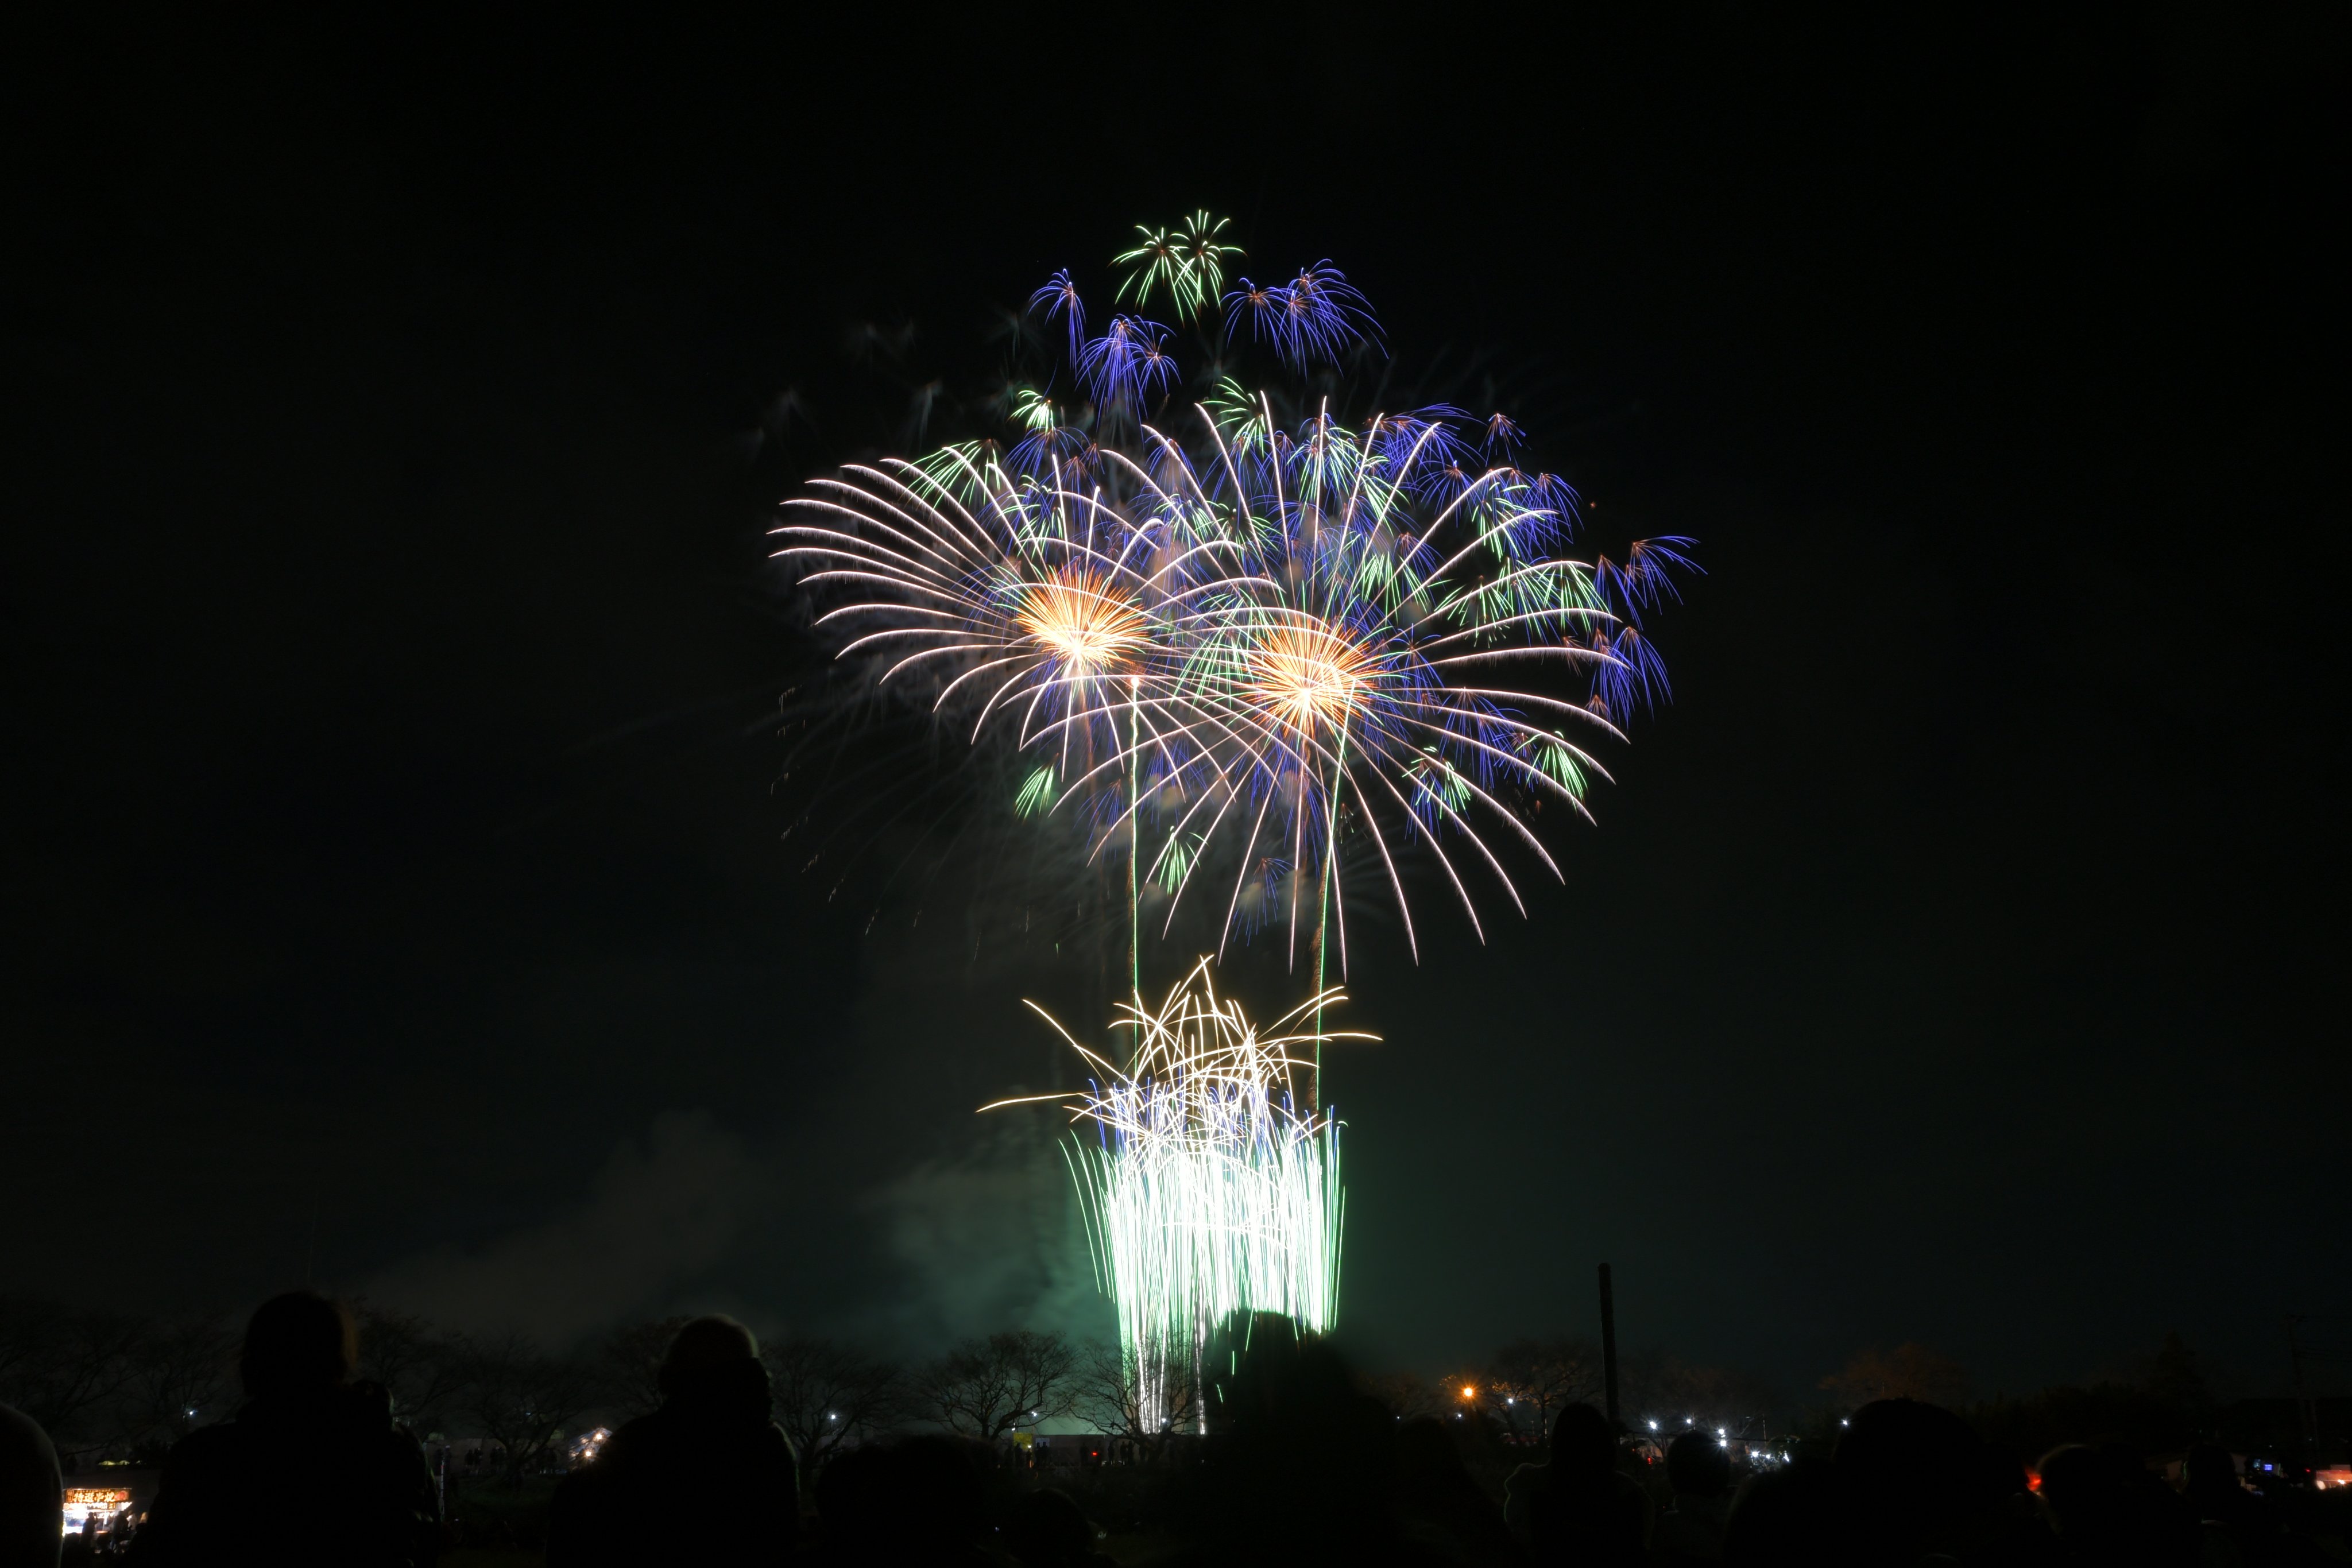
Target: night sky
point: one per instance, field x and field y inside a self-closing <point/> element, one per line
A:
<point x="396" y="888"/>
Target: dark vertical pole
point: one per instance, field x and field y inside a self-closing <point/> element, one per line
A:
<point x="2305" y="1406"/>
<point x="1609" y="1344"/>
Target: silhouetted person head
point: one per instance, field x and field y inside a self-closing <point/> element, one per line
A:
<point x="707" y="1344"/>
<point x="1787" y="1519"/>
<point x="713" y="1368"/>
<point x="712" y="1437"/>
<point x="2212" y="1478"/>
<point x="1300" y="1457"/>
<point x="1582" y="1440"/>
<point x="297" y="1345"/>
<point x="1698" y="1466"/>
<point x="29" y="1483"/>
<point x="1576" y="1507"/>
<point x="1047" y="1528"/>
<point x="1916" y="1475"/>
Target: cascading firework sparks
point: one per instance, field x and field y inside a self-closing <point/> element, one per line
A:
<point x="1207" y="1188"/>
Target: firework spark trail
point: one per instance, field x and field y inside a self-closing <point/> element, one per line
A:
<point x="1207" y="1190"/>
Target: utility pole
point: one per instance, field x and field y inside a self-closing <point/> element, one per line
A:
<point x="2305" y="1406"/>
<point x="1608" y="1346"/>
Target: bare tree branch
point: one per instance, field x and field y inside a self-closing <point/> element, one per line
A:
<point x="827" y="1396"/>
<point x="419" y="1365"/>
<point x="523" y="1399"/>
<point x="987" y="1387"/>
<point x="633" y="1358"/>
<point x="1108" y="1390"/>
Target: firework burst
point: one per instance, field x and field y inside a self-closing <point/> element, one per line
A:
<point x="1232" y="638"/>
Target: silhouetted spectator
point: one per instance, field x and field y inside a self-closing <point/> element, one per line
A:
<point x="647" y="1497"/>
<point x="32" y="1493"/>
<point x="2111" y="1512"/>
<point x="1439" y="1503"/>
<point x="309" y="1470"/>
<point x="1698" y="1469"/>
<point x="1299" y="1466"/>
<point x="1918" y="1481"/>
<point x="2245" y="1523"/>
<point x="1578" y="1509"/>
<point x="1788" y="1518"/>
<point x="1047" y="1529"/>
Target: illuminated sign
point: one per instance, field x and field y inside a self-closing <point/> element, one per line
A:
<point x="96" y="1497"/>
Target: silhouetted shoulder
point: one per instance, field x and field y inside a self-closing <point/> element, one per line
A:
<point x="207" y="1449"/>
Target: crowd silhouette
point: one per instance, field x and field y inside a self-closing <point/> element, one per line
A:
<point x="1300" y="1465"/>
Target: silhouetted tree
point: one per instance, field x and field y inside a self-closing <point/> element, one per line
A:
<point x="828" y="1395"/>
<point x="1409" y="1395"/>
<point x="2161" y="1403"/>
<point x="2174" y="1376"/>
<point x="523" y="1399"/>
<point x="1910" y="1371"/>
<point x="180" y="1376"/>
<point x="1656" y="1386"/>
<point x="1530" y="1380"/>
<point x="987" y="1387"/>
<point x="61" y="1364"/>
<point x="1106" y="1388"/>
<point x="632" y="1360"/>
<point x="419" y="1365"/>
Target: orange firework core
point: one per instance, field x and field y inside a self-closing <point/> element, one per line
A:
<point x="1308" y="673"/>
<point x="1081" y="618"/>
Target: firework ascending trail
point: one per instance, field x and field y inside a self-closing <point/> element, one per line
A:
<point x="1226" y="638"/>
<point x="1208" y="1188"/>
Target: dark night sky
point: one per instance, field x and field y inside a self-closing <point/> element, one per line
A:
<point x="394" y="887"/>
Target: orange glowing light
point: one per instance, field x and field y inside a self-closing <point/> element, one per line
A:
<point x="1469" y="1391"/>
<point x="1309" y="672"/>
<point x="1083" y="620"/>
